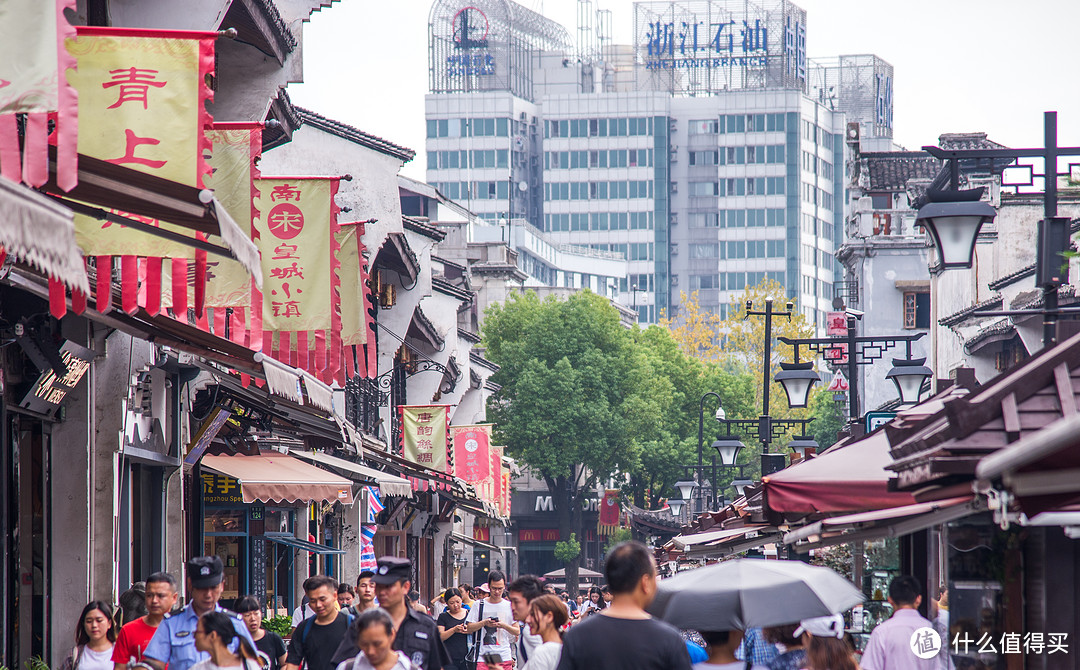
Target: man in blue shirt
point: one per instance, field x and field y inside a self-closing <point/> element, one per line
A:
<point x="174" y="641"/>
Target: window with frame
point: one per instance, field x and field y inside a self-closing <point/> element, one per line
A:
<point x="916" y="309"/>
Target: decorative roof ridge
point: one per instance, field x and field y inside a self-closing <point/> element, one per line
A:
<point x="972" y="310"/>
<point x="355" y="135"/>
<point x="422" y="228"/>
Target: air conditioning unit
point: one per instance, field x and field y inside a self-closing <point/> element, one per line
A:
<point x="674" y="219"/>
<point x="674" y="250"/>
<point x="674" y="187"/>
<point x="674" y="278"/>
<point x="672" y="125"/>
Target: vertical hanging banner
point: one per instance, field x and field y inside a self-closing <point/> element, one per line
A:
<point x="506" y="493"/>
<point x="296" y="229"/>
<point x="608" y="521"/>
<point x="497" y="477"/>
<point x="423" y="431"/>
<point x="142" y="98"/>
<point x="472" y="462"/>
<point x="34" y="66"/>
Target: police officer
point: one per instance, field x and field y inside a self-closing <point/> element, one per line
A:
<point x="174" y="641"/>
<point x="417" y="634"/>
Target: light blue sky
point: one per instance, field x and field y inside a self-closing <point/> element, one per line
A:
<point x="960" y="65"/>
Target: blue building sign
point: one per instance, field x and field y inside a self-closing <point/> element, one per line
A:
<point x="700" y="44"/>
<point x="470" y="36"/>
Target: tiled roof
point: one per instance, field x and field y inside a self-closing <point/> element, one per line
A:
<point x="422" y="228"/>
<point x="355" y="135"/>
<point x="891" y="171"/>
<point x="1011" y="279"/>
<point x="957" y="317"/>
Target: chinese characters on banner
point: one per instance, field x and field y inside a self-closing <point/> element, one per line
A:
<point x="142" y="101"/>
<point x="423" y="431"/>
<point x="297" y="228"/>
<point x="608" y="521"/>
<point x="356" y="321"/>
<point x="471" y="452"/>
<point x="497" y="477"/>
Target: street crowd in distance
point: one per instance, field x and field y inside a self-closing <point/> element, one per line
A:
<point x="521" y="625"/>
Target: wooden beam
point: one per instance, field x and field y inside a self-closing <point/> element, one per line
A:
<point x="1064" y="389"/>
<point x="1011" y="417"/>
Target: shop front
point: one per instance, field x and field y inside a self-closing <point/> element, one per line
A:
<point x="256" y="514"/>
<point x="537" y="527"/>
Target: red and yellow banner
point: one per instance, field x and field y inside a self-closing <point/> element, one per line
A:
<point x="506" y="493"/>
<point x="472" y="460"/>
<point x="497" y="478"/>
<point x="232" y="178"/>
<point x="423" y="432"/>
<point x="33" y="80"/>
<point x="608" y="521"/>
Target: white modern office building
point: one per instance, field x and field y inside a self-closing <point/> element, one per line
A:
<point x="709" y="154"/>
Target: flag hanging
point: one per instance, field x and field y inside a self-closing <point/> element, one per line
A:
<point x="34" y="80"/>
<point x="142" y="98"/>
<point x="608" y="521"/>
<point x="375" y="505"/>
<point x="471" y="452"/>
<point x="497" y="478"/>
<point x="423" y="433"/>
<point x="367" y="548"/>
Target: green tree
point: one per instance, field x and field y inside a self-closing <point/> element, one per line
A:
<point x="571" y="406"/>
<point x="828" y="417"/>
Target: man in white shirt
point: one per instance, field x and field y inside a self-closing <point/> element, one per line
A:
<point x="890" y="645"/>
<point x="495" y="616"/>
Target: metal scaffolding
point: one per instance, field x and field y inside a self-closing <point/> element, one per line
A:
<point x="861" y="86"/>
<point x="490" y="45"/>
<point x="703" y="47"/>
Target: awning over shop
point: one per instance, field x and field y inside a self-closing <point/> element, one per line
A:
<point x="876" y="524"/>
<point x="723" y="542"/>
<point x="389" y="485"/>
<point x="297" y="543"/>
<point x="1042" y="469"/>
<point x="846" y="479"/>
<point x="280" y="478"/>
<point x="40" y="232"/>
<point x="473" y="542"/>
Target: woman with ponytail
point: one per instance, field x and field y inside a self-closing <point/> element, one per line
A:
<point x="547" y="617"/>
<point x="213" y="634"/>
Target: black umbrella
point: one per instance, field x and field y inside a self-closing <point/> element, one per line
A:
<point x="746" y="593"/>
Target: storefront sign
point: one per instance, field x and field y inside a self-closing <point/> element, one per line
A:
<point x="482" y="533"/>
<point x="218" y="489"/>
<point x="836" y="324"/>
<point x="49" y="390"/>
<point x="546" y="504"/>
<point x="538" y="535"/>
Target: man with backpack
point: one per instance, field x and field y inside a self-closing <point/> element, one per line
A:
<point x="315" y="639"/>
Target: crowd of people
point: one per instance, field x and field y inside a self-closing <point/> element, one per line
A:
<point x="380" y="624"/>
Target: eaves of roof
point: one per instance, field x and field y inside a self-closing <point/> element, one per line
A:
<point x="482" y="362"/>
<point x="355" y="135"/>
<point x="422" y="228"/>
<point x="973" y="310"/>
<point x="454" y="291"/>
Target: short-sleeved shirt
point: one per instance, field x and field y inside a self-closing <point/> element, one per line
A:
<point x="418" y="638"/>
<point x="605" y="643"/>
<point x="457" y="645"/>
<point x="174" y="640"/>
<point x="273" y="646"/>
<point x="493" y="640"/>
<point x="132" y="641"/>
<point x="315" y="644"/>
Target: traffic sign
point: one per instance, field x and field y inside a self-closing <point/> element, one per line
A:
<point x="875" y="420"/>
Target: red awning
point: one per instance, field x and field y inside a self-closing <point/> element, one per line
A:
<point x="851" y="478"/>
<point x="274" y="478"/>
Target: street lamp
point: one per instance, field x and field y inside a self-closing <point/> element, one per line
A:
<point x="676" y="506"/>
<point x="908" y="375"/>
<point x="686" y="489"/>
<point x="741" y="484"/>
<point x="728" y="446"/>
<point x="953" y="218"/>
<point x="797" y="379"/>
<point x="802" y="445"/>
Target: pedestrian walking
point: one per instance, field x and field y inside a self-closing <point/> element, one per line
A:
<point x="174" y="640"/>
<point x="521" y="593"/>
<point x="792" y="654"/>
<point x="95" y="633"/>
<point x="375" y="634"/>
<point x="826" y="648"/>
<point x="889" y="647"/>
<point x="547" y="616"/>
<point x="365" y="593"/>
<point x="452" y="630"/>
<point x="346" y="596"/>
<point x="315" y="639"/>
<point x="414" y="633"/>
<point x="721" y="646"/>
<point x="755" y="648"/>
<point x="214" y="635"/>
<point x="132" y="603"/>
<point x="625" y="636"/>
<point x="495" y="618"/>
<point x="159" y="593"/>
<point x="267" y="643"/>
<point x="466" y="595"/>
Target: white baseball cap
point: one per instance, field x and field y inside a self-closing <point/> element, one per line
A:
<point x="822" y="626"/>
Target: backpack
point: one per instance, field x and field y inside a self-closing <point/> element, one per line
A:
<point x="307" y="629"/>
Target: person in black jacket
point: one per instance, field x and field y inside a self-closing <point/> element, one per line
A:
<point x="417" y="635"/>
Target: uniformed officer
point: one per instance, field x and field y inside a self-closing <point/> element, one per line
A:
<point x="417" y="634"/>
<point x="174" y="641"/>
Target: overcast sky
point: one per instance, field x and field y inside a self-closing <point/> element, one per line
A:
<point x="960" y="65"/>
